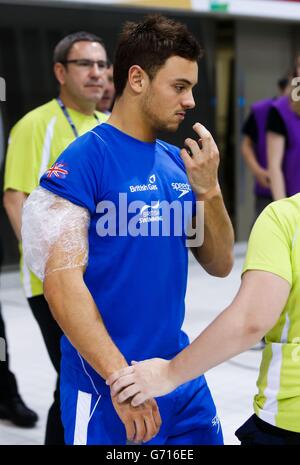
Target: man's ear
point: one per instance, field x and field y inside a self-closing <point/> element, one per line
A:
<point x="137" y="79"/>
<point x="60" y="72"/>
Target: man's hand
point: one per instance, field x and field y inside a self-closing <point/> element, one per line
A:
<point x="202" y="165"/>
<point x="13" y="203"/>
<point x="142" y="381"/>
<point x="142" y="423"/>
<point x="263" y="178"/>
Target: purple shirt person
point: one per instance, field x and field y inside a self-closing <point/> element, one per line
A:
<point x="254" y="148"/>
<point x="283" y="142"/>
<point x="284" y="148"/>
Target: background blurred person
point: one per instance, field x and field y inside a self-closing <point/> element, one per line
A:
<point x="106" y="102"/>
<point x="80" y="64"/>
<point x="283" y="143"/>
<point x="254" y="148"/>
<point x="12" y="406"/>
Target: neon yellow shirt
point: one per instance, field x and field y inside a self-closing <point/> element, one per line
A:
<point x="274" y="246"/>
<point x="35" y="142"/>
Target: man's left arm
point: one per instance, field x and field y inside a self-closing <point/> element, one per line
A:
<point x="215" y="254"/>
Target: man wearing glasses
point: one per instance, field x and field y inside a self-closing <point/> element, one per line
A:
<point x="80" y="65"/>
<point x="105" y="104"/>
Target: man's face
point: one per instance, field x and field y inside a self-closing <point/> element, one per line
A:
<point x="169" y="94"/>
<point x="106" y="101"/>
<point x="83" y="79"/>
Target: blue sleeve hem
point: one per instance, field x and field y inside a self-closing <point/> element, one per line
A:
<point x="64" y="195"/>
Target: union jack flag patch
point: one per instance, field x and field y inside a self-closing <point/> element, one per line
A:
<point x="58" y="170"/>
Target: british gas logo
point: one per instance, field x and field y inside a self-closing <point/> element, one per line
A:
<point x="151" y="186"/>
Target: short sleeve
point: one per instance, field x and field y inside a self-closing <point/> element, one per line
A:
<point x="250" y="128"/>
<point x="77" y="173"/>
<point x="275" y="123"/>
<point x="269" y="247"/>
<point x="23" y="157"/>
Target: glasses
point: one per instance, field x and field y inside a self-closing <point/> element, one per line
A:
<point x="84" y="63"/>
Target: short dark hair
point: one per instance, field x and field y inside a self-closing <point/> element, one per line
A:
<point x="282" y="83"/>
<point x="62" y="49"/>
<point x="149" y="44"/>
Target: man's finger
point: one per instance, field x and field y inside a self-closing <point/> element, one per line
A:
<point x="113" y="377"/>
<point x="128" y="392"/>
<point x="140" y="428"/>
<point x="193" y="146"/>
<point x="201" y="131"/>
<point x="156" y="414"/>
<point x="187" y="160"/>
<point x="138" y="399"/>
<point x="207" y="140"/>
<point x="121" y="383"/>
<point x="151" y="429"/>
<point x="130" y="429"/>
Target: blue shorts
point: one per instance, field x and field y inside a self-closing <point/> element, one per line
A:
<point x="188" y="417"/>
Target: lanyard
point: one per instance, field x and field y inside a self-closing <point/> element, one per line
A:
<point x="68" y="117"/>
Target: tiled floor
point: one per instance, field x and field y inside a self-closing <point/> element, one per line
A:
<point x="232" y="383"/>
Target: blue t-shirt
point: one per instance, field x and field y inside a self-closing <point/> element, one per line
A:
<point x="137" y="279"/>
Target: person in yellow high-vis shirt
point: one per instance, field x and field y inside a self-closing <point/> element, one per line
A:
<point x="35" y="142"/>
<point x="267" y="304"/>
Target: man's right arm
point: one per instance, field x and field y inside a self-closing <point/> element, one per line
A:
<point x="248" y="153"/>
<point x="275" y="153"/>
<point x="55" y="246"/>
<point x="13" y="203"/>
<point x="21" y="169"/>
<point x="75" y="311"/>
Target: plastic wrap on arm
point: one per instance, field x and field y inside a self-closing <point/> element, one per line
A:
<point x="54" y="233"/>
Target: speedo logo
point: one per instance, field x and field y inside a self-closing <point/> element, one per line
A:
<point x="151" y="186"/>
<point x="181" y="187"/>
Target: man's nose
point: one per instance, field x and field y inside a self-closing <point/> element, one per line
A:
<point x="189" y="101"/>
<point x="95" y="71"/>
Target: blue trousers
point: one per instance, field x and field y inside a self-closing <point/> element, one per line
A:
<point x="188" y="417"/>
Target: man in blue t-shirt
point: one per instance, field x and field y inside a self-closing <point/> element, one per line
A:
<point x="139" y="195"/>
